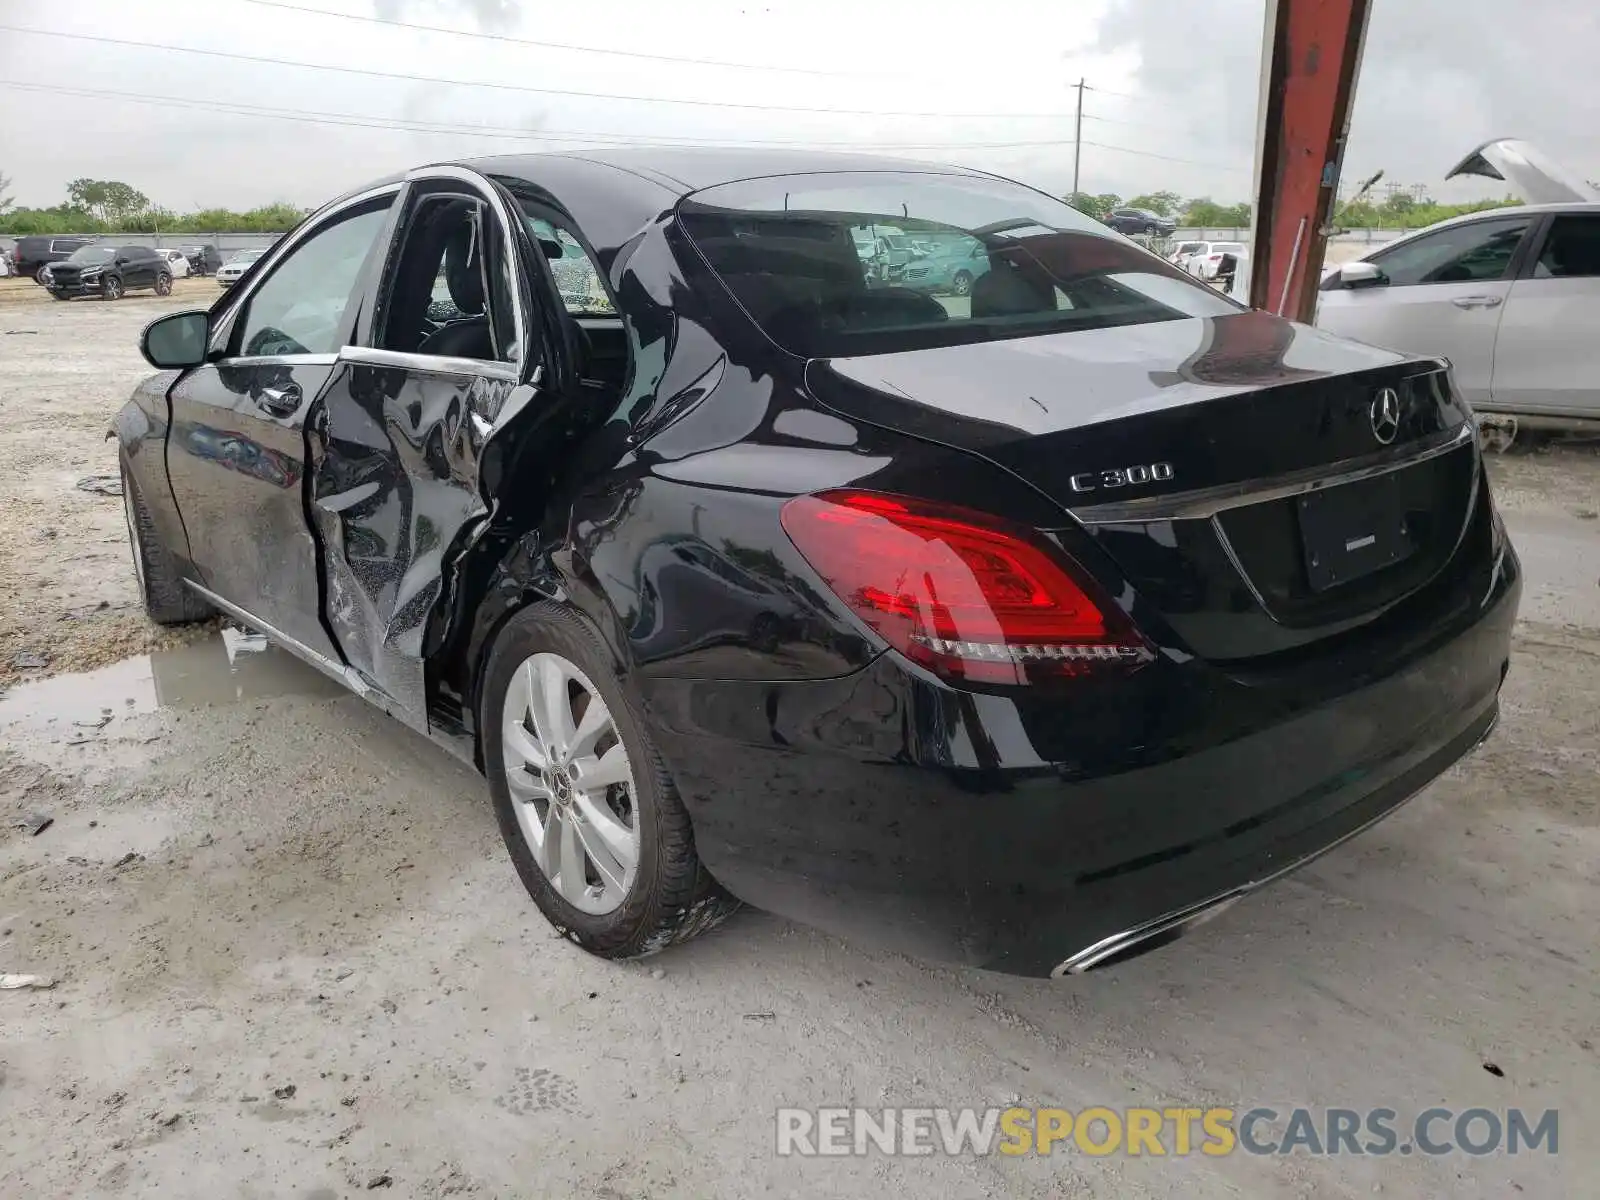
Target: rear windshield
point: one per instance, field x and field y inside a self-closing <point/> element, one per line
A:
<point x="791" y="250"/>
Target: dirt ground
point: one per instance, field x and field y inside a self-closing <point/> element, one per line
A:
<point x="292" y="959"/>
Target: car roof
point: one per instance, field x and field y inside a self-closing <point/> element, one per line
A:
<point x="614" y="192"/>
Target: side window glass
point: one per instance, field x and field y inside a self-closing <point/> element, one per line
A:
<point x="1571" y="251"/>
<point x="576" y="276"/>
<point x="439" y="301"/>
<point x="1474" y="253"/>
<point x="300" y="307"/>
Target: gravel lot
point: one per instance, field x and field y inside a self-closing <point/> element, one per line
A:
<point x="293" y="960"/>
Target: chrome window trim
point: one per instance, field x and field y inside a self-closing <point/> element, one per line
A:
<point x="223" y="323"/>
<point x="433" y="364"/>
<point x="278" y="360"/>
<point x="1204" y="503"/>
<point x="490" y="195"/>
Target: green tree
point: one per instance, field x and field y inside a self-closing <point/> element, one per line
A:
<point x="6" y="203"/>
<point x="1204" y="212"/>
<point x="1163" y="204"/>
<point x="1095" y="206"/>
<point x="108" y="199"/>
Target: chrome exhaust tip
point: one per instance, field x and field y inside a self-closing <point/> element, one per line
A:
<point x="1131" y="943"/>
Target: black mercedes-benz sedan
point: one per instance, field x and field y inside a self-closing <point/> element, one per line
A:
<point x="1024" y="629"/>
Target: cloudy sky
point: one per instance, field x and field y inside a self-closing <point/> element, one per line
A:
<point x="1172" y="100"/>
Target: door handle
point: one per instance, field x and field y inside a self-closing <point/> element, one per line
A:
<point x="280" y="401"/>
<point x="1476" y="301"/>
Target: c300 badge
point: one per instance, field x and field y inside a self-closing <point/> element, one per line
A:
<point x="1120" y="477"/>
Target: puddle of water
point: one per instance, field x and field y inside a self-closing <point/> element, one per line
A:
<point x="219" y="670"/>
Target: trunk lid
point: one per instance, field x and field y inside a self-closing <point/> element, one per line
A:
<point x="1191" y="452"/>
<point x="1534" y="176"/>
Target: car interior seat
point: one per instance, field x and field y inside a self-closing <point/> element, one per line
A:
<point x="469" y="337"/>
<point x="1006" y="289"/>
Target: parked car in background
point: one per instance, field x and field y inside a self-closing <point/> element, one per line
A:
<point x="33" y="253"/>
<point x="110" y="272"/>
<point x="892" y="252"/>
<point x="5" y="263"/>
<point x="1510" y="296"/>
<point x="203" y="260"/>
<point x="1140" y="221"/>
<point x="1181" y="252"/>
<point x="949" y="267"/>
<point x="177" y="262"/>
<point x="1206" y="261"/>
<point x="228" y="273"/>
<point x="1027" y="633"/>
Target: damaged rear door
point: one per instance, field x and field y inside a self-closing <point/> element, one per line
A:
<point x="440" y="365"/>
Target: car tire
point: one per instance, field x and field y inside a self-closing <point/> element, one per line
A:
<point x="163" y="284"/>
<point x="669" y="897"/>
<point x="962" y="283"/>
<point x="38" y="275"/>
<point x="111" y="288"/>
<point x="59" y="295"/>
<point x="166" y="600"/>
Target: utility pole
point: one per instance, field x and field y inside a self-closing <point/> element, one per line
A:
<point x="1077" y="140"/>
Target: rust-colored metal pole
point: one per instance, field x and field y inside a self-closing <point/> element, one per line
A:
<point x="1310" y="58"/>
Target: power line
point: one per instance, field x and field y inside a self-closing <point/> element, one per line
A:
<point x="1196" y="162"/>
<point x="405" y="77"/>
<point x="501" y="132"/>
<point x="393" y="125"/>
<point x="541" y="43"/>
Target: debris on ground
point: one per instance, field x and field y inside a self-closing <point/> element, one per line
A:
<point x="761" y="1016"/>
<point x="286" y="1092"/>
<point x="27" y="660"/>
<point x="127" y="860"/>
<point x="1494" y="1069"/>
<point x="34" y="823"/>
<point x="11" y="983"/>
<point x="380" y="1181"/>
<point x="101" y="485"/>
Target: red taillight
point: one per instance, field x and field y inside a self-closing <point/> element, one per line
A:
<point x="958" y="592"/>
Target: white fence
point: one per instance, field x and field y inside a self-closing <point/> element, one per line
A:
<point x="1361" y="237"/>
<point x="226" y="243"/>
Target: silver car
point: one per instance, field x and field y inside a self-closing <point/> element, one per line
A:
<point x="228" y="273"/>
<point x="1510" y="296"/>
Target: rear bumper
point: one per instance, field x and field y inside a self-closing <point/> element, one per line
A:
<point x="1026" y="835"/>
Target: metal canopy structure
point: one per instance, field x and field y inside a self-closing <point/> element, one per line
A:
<point x="1310" y="59"/>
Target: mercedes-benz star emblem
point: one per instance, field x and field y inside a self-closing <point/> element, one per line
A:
<point x="1385" y="414"/>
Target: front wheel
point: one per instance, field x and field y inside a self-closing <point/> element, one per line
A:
<point x="962" y="283"/>
<point x="163" y="285"/>
<point x="588" y="812"/>
<point x="111" y="288"/>
<point x="166" y="600"/>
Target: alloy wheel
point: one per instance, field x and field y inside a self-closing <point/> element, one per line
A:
<point x="112" y="288"/>
<point x="571" y="783"/>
